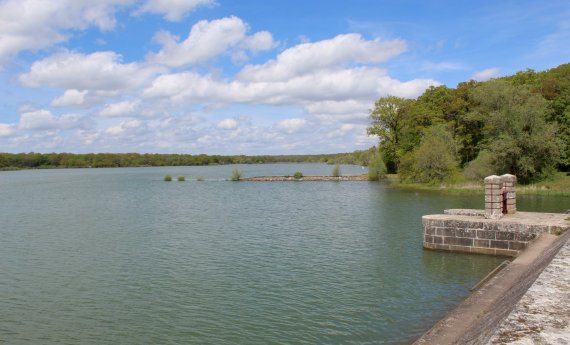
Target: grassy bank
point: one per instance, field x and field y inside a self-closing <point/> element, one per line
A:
<point x="558" y="185"/>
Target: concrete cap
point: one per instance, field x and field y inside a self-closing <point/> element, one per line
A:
<point x="493" y="179"/>
<point x="509" y="177"/>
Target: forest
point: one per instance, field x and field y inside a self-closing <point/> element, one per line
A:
<point x="31" y="160"/>
<point x="518" y="124"/>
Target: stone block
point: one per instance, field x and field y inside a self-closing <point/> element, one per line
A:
<point x="448" y="232"/>
<point x="428" y="238"/>
<point x="458" y="241"/>
<point x="486" y="251"/>
<point x="500" y="244"/>
<point x="505" y="236"/>
<point x="438" y="239"/>
<point x="506" y="252"/>
<point x="486" y="234"/>
<point x="429" y="230"/>
<point x="482" y="243"/>
<point x="462" y="232"/>
<point x="516" y="245"/>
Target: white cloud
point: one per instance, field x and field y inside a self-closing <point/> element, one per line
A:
<point x="486" y="74"/>
<point x="38" y="24"/>
<point x="308" y="58"/>
<point x="208" y="39"/>
<point x="45" y="120"/>
<point x="100" y="71"/>
<point x="6" y="130"/>
<point x="260" y="41"/>
<point x="121" y="109"/>
<point x="228" y="124"/>
<point x="69" y="98"/>
<point x="173" y="10"/>
<point x="358" y="83"/>
<point x="292" y="125"/>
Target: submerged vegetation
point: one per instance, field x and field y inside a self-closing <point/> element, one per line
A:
<point x="518" y="124"/>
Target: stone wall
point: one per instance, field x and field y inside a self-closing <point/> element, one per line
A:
<point x="477" y="235"/>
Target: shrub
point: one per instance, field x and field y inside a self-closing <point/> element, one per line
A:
<point x="181" y="178"/>
<point x="236" y="175"/>
<point x="480" y="167"/>
<point x="298" y="175"/>
<point x="167" y="178"/>
<point x="336" y="171"/>
<point x="433" y="161"/>
<point x="376" y="168"/>
<point x="200" y="178"/>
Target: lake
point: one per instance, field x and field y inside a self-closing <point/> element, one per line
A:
<point x="118" y="256"/>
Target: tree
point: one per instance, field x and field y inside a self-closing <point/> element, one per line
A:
<point x="516" y="131"/>
<point x="388" y="120"/>
<point x="434" y="160"/>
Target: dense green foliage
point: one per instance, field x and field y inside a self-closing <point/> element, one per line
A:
<point x="181" y="178"/>
<point x="111" y="160"/>
<point x="298" y="175"/>
<point x="518" y="124"/>
<point x="376" y="168"/>
<point x="167" y="178"/>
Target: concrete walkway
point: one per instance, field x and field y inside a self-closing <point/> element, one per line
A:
<point x="542" y="316"/>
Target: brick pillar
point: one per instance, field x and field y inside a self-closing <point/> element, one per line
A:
<point x="493" y="197"/>
<point x="509" y="183"/>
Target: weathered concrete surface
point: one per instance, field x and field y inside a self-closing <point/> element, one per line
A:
<point x="476" y="319"/>
<point x="542" y="316"/>
<point x="467" y="231"/>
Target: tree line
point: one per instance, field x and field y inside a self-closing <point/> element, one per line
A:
<point x="518" y="124"/>
<point x="34" y="160"/>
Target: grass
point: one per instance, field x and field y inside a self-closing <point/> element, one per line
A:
<point x="236" y="175"/>
<point x="298" y="175"/>
<point x="200" y="178"/>
<point x="558" y="185"/>
<point x="181" y="178"/>
<point x="167" y="178"/>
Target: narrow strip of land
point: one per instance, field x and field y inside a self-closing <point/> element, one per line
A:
<point x="306" y="178"/>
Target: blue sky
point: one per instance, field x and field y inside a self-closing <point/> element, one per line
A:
<point x="246" y="77"/>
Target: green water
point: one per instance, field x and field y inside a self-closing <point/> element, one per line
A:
<point x="117" y="256"/>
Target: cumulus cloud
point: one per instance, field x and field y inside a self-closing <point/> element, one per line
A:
<point x="38" y="24"/>
<point x="310" y="57"/>
<point x="486" y="74"/>
<point x="208" y="39"/>
<point x="121" y="109"/>
<point x="228" y="124"/>
<point x="45" y="120"/>
<point x="70" y="98"/>
<point x="292" y="125"/>
<point x="360" y="83"/>
<point x="173" y="10"/>
<point x="97" y="71"/>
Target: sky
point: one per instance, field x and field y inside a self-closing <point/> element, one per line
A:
<point x="246" y="77"/>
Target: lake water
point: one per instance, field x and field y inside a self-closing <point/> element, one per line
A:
<point x="118" y="256"/>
